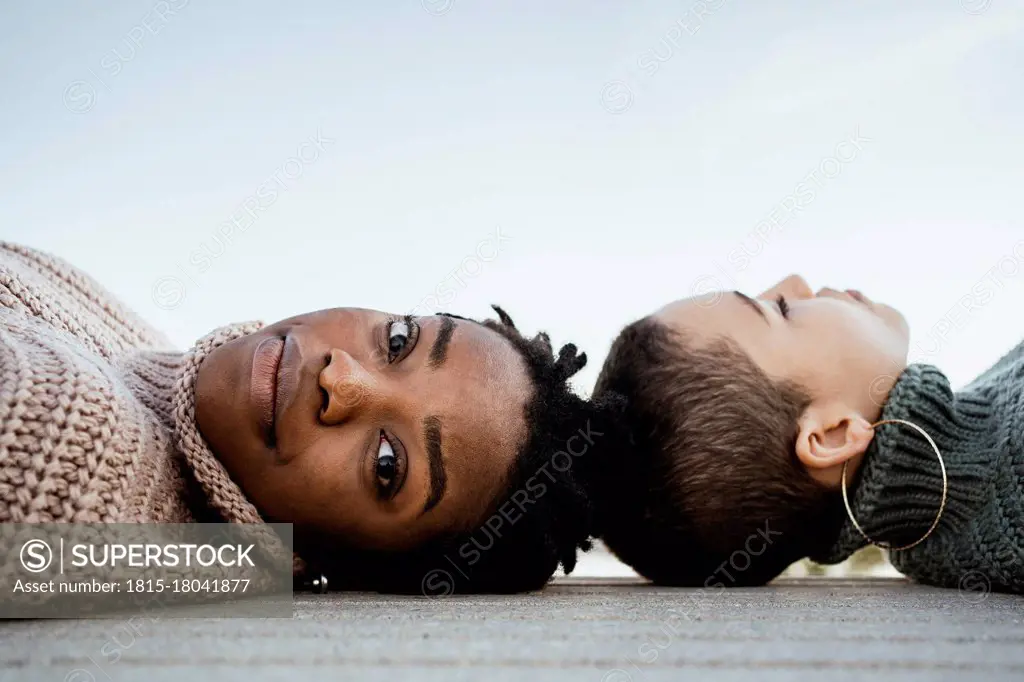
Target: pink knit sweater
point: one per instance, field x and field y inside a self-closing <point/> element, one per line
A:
<point x="97" y="412"/>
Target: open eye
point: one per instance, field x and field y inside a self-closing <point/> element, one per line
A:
<point x="386" y="467"/>
<point x="401" y="338"/>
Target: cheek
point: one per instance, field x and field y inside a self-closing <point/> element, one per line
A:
<point x="319" y="485"/>
<point x="330" y="495"/>
<point x="879" y="345"/>
<point x="861" y="352"/>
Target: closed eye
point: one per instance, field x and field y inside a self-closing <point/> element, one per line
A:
<point x="783" y="306"/>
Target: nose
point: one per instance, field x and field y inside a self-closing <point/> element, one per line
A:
<point x="792" y="287"/>
<point x="348" y="385"/>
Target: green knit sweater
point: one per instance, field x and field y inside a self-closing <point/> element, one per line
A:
<point x="979" y="542"/>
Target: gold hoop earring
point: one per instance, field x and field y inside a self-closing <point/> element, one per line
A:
<point x="942" y="506"/>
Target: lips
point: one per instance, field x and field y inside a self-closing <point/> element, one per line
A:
<point x="263" y="383"/>
<point x="857" y="296"/>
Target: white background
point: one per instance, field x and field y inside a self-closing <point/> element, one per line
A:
<point x="626" y="149"/>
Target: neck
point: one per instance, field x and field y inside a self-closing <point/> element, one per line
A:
<point x="898" y="492"/>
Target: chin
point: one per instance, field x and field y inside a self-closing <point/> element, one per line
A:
<point x="895" y="320"/>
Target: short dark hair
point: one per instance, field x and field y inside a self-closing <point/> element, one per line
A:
<point x="712" y="465"/>
<point x="551" y="502"/>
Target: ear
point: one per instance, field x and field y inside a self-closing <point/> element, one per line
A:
<point x="831" y="435"/>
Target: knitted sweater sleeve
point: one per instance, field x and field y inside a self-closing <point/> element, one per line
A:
<point x="45" y="287"/>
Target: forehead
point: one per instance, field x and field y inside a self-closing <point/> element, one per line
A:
<point x="704" y="318"/>
<point x="481" y="394"/>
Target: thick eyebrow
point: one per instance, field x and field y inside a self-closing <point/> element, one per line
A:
<point x="754" y="304"/>
<point x="438" y="476"/>
<point x="439" y="351"/>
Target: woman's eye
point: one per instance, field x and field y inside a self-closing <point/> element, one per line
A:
<point x="783" y="306"/>
<point x="387" y="464"/>
<point x="399" y="335"/>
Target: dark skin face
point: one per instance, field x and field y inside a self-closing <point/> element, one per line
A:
<point x="381" y="430"/>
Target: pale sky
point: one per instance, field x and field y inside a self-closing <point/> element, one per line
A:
<point x="628" y="154"/>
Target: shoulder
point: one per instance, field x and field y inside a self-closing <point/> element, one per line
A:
<point x="48" y="288"/>
<point x="80" y="445"/>
<point x="1008" y="370"/>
